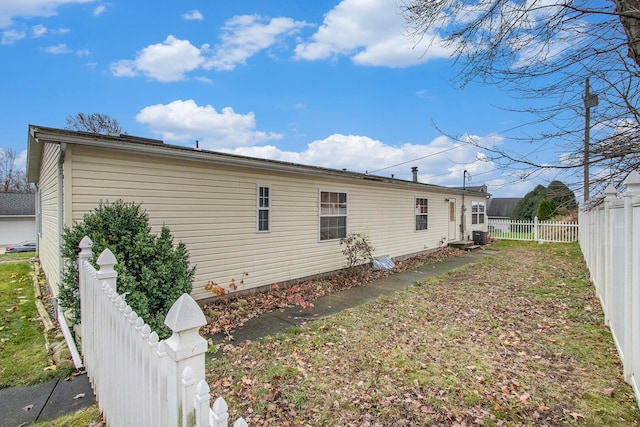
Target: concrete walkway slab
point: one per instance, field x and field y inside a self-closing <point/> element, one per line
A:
<point x="67" y="397"/>
<point x="21" y="406"/>
<point x="279" y="321"/>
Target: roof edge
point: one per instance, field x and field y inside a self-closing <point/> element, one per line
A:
<point x="40" y="134"/>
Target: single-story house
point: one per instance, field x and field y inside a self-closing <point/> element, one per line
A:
<point x="499" y="211"/>
<point x="17" y="217"/>
<point x="240" y="217"/>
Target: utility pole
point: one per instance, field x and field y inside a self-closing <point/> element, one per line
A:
<point x="590" y="100"/>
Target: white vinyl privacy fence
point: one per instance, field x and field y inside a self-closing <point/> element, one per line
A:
<point x="536" y="231"/>
<point x="138" y="379"/>
<point x="610" y="242"/>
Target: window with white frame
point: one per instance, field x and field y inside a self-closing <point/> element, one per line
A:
<point x="333" y="215"/>
<point x="264" y="208"/>
<point x="422" y="213"/>
<point x="477" y="212"/>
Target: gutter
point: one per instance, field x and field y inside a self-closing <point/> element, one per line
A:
<point x="145" y="146"/>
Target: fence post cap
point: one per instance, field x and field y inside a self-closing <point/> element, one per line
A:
<point x="203" y="389"/>
<point x="85" y="243"/>
<point x="220" y="406"/>
<point x="610" y="191"/>
<point x="633" y="183"/>
<point x="106" y="261"/>
<point x="185" y="314"/>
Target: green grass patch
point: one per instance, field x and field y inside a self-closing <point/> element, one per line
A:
<point x="23" y="357"/>
<point x="18" y="256"/>
<point x="82" y="418"/>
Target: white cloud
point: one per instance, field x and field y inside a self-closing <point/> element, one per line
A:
<point x="193" y="15"/>
<point x="9" y="10"/>
<point x="21" y="160"/>
<point x="244" y="36"/>
<point x="166" y="62"/>
<point x="185" y="121"/>
<point x="440" y="162"/>
<point x="83" y="52"/>
<point x="38" y="31"/>
<point x="58" y="49"/>
<point x="205" y="80"/>
<point x="99" y="10"/>
<point x="123" y="68"/>
<point x="371" y="32"/>
<point x="12" y="36"/>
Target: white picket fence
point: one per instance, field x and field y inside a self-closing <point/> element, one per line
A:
<point x="610" y="242"/>
<point x="139" y="380"/>
<point x="536" y="231"/>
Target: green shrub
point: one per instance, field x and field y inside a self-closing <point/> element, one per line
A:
<point x="152" y="272"/>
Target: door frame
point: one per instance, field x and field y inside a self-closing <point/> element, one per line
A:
<point x="453" y="220"/>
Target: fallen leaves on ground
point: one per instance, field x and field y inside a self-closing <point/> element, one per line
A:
<point x="506" y="341"/>
<point x="229" y="312"/>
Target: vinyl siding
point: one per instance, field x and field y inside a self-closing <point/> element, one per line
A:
<point x="212" y="209"/>
<point x="49" y="239"/>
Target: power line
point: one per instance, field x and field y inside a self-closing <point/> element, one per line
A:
<point x="419" y="158"/>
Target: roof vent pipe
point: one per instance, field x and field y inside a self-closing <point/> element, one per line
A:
<point x="414" y="171"/>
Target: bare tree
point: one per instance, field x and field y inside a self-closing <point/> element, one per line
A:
<point x="12" y="178"/>
<point x="542" y="51"/>
<point x="94" y="123"/>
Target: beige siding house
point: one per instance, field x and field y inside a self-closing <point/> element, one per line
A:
<point x="259" y="220"/>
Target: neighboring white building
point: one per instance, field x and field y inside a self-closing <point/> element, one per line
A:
<point x="17" y="217"/>
<point x="261" y="220"/>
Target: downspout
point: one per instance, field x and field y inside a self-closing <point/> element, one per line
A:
<point x="60" y="185"/>
<point x="463" y="208"/>
<point x="62" y="321"/>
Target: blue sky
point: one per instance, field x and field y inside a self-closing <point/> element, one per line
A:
<point x="329" y="83"/>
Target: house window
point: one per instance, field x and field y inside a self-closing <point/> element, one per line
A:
<point x="264" y="208"/>
<point x="422" y="211"/>
<point x="477" y="212"/>
<point x="333" y="215"/>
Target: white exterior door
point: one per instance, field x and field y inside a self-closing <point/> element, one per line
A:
<point x="453" y="229"/>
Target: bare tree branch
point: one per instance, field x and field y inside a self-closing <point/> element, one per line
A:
<point x="12" y="178"/>
<point x="541" y="51"/>
<point x="94" y="123"/>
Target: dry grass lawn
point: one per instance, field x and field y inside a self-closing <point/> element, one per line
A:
<point x="514" y="339"/>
